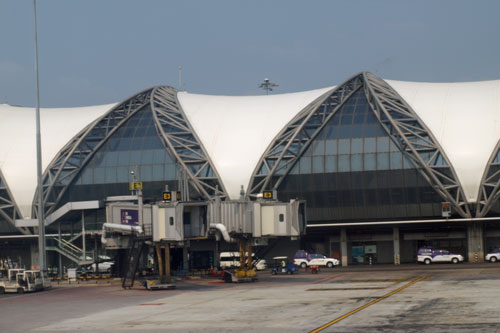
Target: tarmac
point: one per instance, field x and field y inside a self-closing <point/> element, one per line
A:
<point x="379" y="298"/>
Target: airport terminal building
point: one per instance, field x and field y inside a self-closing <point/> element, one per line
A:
<point x="384" y="167"/>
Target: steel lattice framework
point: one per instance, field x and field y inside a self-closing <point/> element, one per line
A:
<point x="178" y="136"/>
<point x="8" y="208"/>
<point x="400" y="122"/>
<point x="75" y="154"/>
<point x="489" y="191"/>
<point x="175" y="132"/>
<point x="416" y="141"/>
<point x="293" y="140"/>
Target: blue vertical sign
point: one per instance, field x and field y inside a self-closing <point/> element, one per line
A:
<point x="129" y="216"/>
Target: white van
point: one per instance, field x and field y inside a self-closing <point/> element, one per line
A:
<point x="232" y="259"/>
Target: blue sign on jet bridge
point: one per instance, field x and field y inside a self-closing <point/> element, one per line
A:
<point x="129" y="216"/>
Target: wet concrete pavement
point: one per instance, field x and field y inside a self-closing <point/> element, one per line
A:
<point x="449" y="298"/>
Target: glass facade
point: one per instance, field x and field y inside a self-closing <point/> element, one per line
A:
<point x="353" y="170"/>
<point x="134" y="146"/>
<point x="9" y="211"/>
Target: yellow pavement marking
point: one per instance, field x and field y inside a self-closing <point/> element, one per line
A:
<point x="356" y="288"/>
<point x="373" y="280"/>
<point x="367" y="305"/>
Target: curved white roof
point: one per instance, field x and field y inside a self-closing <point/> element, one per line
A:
<point x="18" y="143"/>
<point x="464" y="118"/>
<point x="236" y="130"/>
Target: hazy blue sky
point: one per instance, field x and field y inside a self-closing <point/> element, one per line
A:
<point x="101" y="51"/>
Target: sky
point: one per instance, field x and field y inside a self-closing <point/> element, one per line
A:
<point x="94" y="52"/>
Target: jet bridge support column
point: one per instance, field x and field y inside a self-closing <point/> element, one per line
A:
<point x="167" y="262"/>
<point x="250" y="256"/>
<point x="246" y="269"/>
<point x="159" y="261"/>
<point x="163" y="262"/>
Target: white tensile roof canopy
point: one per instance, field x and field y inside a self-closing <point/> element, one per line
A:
<point x="464" y="118"/>
<point x="235" y="131"/>
<point x="18" y="143"/>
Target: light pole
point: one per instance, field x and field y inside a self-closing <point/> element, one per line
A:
<point x="180" y="78"/>
<point x="41" y="220"/>
<point x="267" y="85"/>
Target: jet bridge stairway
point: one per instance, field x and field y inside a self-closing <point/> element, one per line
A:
<point x="263" y="251"/>
<point x="137" y="248"/>
<point x="70" y="251"/>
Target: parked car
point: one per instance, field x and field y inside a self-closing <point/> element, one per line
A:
<point x="301" y="258"/>
<point x="318" y="259"/>
<point x="430" y="255"/>
<point x="304" y="259"/>
<point x="104" y="267"/>
<point x="493" y="256"/>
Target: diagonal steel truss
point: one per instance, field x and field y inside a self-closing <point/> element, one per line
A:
<point x="489" y="191"/>
<point x="8" y="208"/>
<point x="416" y="141"/>
<point x="75" y="154"/>
<point x="179" y="138"/>
<point x="400" y="122"/>
<point x="293" y="140"/>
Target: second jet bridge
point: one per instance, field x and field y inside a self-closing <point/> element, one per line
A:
<point x="178" y="221"/>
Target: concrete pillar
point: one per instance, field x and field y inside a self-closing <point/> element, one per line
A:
<point x="84" y="247"/>
<point x="35" y="258"/>
<point x="60" y="266"/>
<point x="343" y="247"/>
<point x="475" y="243"/>
<point x="395" y="240"/>
<point x="96" y="255"/>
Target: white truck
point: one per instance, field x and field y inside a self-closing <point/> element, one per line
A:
<point x="20" y="280"/>
<point x="429" y="255"/>
<point x="315" y="259"/>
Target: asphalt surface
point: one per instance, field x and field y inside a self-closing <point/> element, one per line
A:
<point x="406" y="298"/>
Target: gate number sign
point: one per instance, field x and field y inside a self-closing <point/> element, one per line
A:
<point x="267" y="194"/>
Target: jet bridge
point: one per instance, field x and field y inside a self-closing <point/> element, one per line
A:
<point x="178" y="221"/>
<point x="173" y="224"/>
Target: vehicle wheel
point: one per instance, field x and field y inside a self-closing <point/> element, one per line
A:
<point x="329" y="264"/>
<point x="20" y="290"/>
<point x="427" y="261"/>
<point x="493" y="259"/>
<point x="2" y="290"/>
<point x="303" y="265"/>
<point x="273" y="272"/>
<point x="454" y="261"/>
